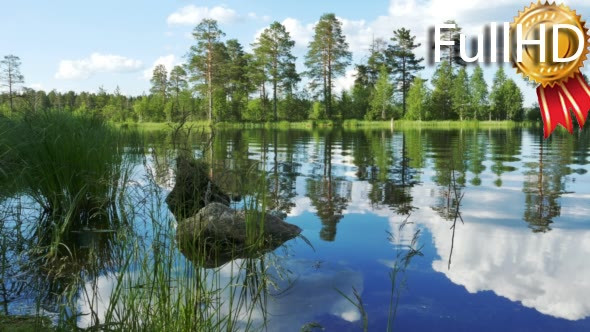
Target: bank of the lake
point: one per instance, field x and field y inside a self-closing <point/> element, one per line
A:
<point x="397" y="124"/>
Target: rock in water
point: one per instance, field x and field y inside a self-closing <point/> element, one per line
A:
<point x="193" y="189"/>
<point x="217" y="234"/>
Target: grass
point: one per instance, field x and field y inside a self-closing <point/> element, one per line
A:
<point x="85" y="223"/>
<point x="24" y="324"/>
<point x="309" y="124"/>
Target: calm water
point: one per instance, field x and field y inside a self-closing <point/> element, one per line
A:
<point x="483" y="230"/>
<point x="516" y="260"/>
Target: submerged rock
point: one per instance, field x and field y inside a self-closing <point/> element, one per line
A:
<point x="193" y="189"/>
<point x="218" y="234"/>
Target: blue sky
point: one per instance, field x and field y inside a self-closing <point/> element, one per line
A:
<point x="81" y="45"/>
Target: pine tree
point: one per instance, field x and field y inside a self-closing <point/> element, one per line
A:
<point x="442" y="82"/>
<point x="177" y="84"/>
<point x="417" y="100"/>
<point x="361" y="93"/>
<point x="159" y="81"/>
<point x="479" y="93"/>
<point x="206" y="58"/>
<point x="238" y="85"/>
<point x="403" y="61"/>
<point x="381" y="98"/>
<point x="327" y="57"/>
<point x="377" y="59"/>
<point x="10" y="76"/>
<point x="274" y="48"/>
<point x="497" y="96"/>
<point x="178" y="81"/>
<point x="513" y="100"/>
<point x="461" y="94"/>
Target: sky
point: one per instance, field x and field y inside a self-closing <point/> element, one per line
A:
<point x="83" y="45"/>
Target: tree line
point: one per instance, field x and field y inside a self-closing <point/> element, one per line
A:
<point x="220" y="81"/>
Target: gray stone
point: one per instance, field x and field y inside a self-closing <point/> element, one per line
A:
<point x="193" y="189"/>
<point x="217" y="234"/>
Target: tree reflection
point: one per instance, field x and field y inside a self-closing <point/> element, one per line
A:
<point x="392" y="177"/>
<point x="329" y="194"/>
<point x="544" y="184"/>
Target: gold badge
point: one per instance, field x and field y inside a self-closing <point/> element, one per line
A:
<point x="549" y="73"/>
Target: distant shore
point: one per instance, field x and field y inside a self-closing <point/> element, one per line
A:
<point x="309" y="124"/>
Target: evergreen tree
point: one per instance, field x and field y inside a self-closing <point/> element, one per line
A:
<point x="274" y="48"/>
<point x="460" y="95"/>
<point x="418" y="95"/>
<point x="381" y="98"/>
<point x="404" y="63"/>
<point x="237" y="82"/>
<point x="177" y="84"/>
<point x="377" y="59"/>
<point x="159" y="81"/>
<point x="10" y="76"/>
<point x="361" y="93"/>
<point x="513" y="99"/>
<point x="442" y="82"/>
<point x="479" y="93"/>
<point x="327" y="57"/>
<point x="497" y="96"/>
<point x="206" y="58"/>
<point x="178" y="81"/>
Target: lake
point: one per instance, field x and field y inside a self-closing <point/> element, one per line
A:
<point x="407" y="230"/>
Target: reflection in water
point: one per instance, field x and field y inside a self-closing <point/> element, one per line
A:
<point x="544" y="184"/>
<point x="328" y="194"/>
<point x="344" y="188"/>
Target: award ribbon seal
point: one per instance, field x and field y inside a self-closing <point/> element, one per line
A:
<point x="562" y="87"/>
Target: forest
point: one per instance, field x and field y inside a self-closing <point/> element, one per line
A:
<point x="221" y="82"/>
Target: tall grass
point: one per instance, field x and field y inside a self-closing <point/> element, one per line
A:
<point x="99" y="245"/>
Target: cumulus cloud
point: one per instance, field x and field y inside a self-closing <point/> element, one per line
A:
<point x="300" y="33"/>
<point x="96" y="63"/>
<point x="169" y="61"/>
<point x="191" y="15"/>
<point x="346" y="82"/>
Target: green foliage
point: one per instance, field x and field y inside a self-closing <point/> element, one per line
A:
<point x="274" y="51"/>
<point x="441" y="94"/>
<point x="506" y="98"/>
<point x="327" y="57"/>
<point x="222" y="82"/>
<point x="418" y="98"/>
<point x="381" y="99"/>
<point x="69" y="164"/>
<point x="159" y="81"/>
<point x="479" y="94"/>
<point x="460" y="95"/>
<point x="404" y="62"/>
<point x="207" y="59"/>
<point x="318" y="112"/>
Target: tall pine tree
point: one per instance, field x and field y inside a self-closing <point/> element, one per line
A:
<point x="274" y="48"/>
<point x="479" y="93"/>
<point x="327" y="57"/>
<point x="206" y="58"/>
<point x="403" y="61"/>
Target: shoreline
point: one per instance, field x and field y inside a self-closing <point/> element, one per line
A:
<point x="346" y="124"/>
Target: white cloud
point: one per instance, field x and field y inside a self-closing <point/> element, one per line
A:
<point x="300" y="33"/>
<point x="345" y="82"/>
<point x="169" y="61"/>
<point x="191" y="15"/>
<point x="96" y="63"/>
<point x="359" y="34"/>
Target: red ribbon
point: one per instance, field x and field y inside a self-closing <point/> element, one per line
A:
<point x="557" y="101"/>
